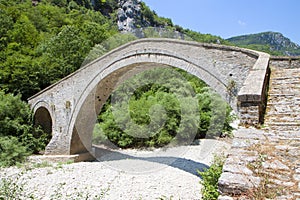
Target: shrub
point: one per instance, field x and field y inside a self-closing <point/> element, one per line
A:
<point x="18" y="137"/>
<point x="210" y="179"/>
<point x="152" y="114"/>
<point x="12" y="151"/>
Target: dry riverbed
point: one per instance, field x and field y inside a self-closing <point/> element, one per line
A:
<point x="121" y="174"/>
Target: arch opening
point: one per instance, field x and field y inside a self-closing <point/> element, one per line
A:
<point x="42" y="118"/>
<point x="81" y="140"/>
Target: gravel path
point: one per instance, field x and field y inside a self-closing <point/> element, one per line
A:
<point x="127" y="174"/>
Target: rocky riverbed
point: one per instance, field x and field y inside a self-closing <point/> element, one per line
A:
<point x="169" y="173"/>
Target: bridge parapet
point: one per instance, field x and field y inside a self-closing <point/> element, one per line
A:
<point x="253" y="95"/>
<point x="285" y="62"/>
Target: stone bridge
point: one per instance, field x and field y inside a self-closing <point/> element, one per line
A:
<point x="65" y="109"/>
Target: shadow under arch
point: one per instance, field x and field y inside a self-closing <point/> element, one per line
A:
<point x="43" y="119"/>
<point x="188" y="165"/>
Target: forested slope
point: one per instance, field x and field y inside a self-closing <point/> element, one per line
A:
<point x="44" y="41"/>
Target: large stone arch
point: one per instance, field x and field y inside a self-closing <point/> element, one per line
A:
<point x="103" y="83"/>
<point x="219" y="66"/>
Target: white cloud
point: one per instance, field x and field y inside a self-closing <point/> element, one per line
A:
<point x="241" y="23"/>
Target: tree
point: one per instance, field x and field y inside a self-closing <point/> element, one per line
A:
<point x="6" y="24"/>
<point x="159" y="114"/>
<point x="24" y="32"/>
<point x="65" y="52"/>
<point x="16" y="121"/>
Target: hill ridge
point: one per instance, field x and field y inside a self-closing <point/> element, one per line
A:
<point x="267" y="41"/>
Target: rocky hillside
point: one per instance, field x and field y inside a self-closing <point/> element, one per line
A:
<point x="272" y="42"/>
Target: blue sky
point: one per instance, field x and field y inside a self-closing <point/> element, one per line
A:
<point x="227" y="18"/>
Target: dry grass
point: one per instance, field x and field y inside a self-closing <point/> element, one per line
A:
<point x="267" y="189"/>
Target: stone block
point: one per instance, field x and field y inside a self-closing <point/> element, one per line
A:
<point x="276" y="165"/>
<point x="225" y="198"/>
<point x="237" y="169"/>
<point x="236" y="184"/>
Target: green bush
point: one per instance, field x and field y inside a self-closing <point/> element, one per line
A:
<point x="12" y="151"/>
<point x="153" y="116"/>
<point x="210" y="179"/>
<point x="18" y="137"/>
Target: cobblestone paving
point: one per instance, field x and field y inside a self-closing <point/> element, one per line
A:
<point x="265" y="163"/>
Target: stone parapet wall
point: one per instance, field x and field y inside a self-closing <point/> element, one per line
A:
<point x="285" y="62"/>
<point x="252" y="96"/>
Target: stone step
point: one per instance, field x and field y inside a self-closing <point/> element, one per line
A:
<point x="286" y="81"/>
<point x="273" y="114"/>
<point x="280" y="109"/>
<point x="284" y="89"/>
<point x="283" y="128"/>
<point x="276" y="78"/>
<point x="282" y="121"/>
<point x="285" y="85"/>
<point x="283" y="116"/>
<point x="285" y="75"/>
<point x="293" y="126"/>
<point x="283" y="103"/>
<point x="285" y="71"/>
<point x="282" y="94"/>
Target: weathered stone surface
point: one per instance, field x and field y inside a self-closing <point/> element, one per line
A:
<point x="237" y="169"/>
<point x="243" y="143"/>
<point x="285" y="197"/>
<point x="276" y="164"/>
<point x="297" y="177"/>
<point x="74" y="102"/>
<point x="285" y="62"/>
<point x="282" y="183"/>
<point x="230" y="183"/>
<point x="276" y="156"/>
<point x="225" y="198"/>
<point x="237" y="157"/>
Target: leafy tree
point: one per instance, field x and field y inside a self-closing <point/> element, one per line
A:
<point x="156" y="117"/>
<point x="24" y="32"/>
<point x="65" y="52"/>
<point x="18" y="137"/>
<point x="94" y="32"/>
<point x="150" y="18"/>
<point x="6" y="25"/>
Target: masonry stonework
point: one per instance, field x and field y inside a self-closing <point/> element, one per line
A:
<point x="238" y="75"/>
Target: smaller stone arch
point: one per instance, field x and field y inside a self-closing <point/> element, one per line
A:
<point x="43" y="118"/>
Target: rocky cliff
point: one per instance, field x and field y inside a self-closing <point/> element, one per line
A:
<point x="129" y="13"/>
